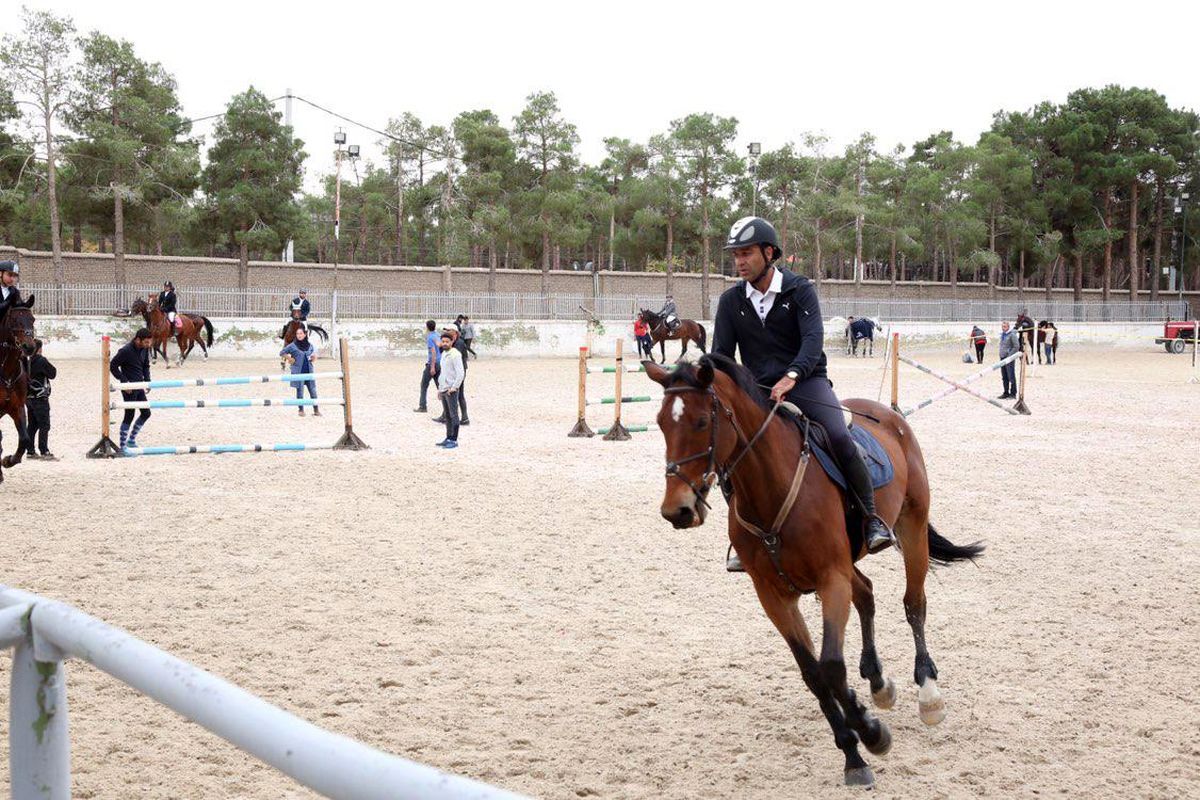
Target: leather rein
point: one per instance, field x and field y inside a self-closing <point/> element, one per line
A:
<point x="770" y="539"/>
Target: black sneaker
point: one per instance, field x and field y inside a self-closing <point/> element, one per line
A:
<point x="465" y="422"/>
<point x="421" y="410"/>
<point x="439" y="420"/>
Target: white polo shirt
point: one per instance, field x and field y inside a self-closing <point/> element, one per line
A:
<point x="764" y="300"/>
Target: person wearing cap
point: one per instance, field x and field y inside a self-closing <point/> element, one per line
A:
<point x="773" y="317"/>
<point x="168" y="303"/>
<point x="301" y="306"/>
<point x="10" y="274"/>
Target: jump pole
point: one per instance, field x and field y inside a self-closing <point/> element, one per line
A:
<point x="896" y="372"/>
<point x="618" y="432"/>
<point x="1020" y="406"/>
<point x="106" y="447"/>
<point x="887" y="360"/>
<point x="581" y="428"/>
<point x="349" y="440"/>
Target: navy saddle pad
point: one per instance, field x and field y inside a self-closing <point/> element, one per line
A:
<point x="878" y="462"/>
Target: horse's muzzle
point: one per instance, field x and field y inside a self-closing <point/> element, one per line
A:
<point x="685" y="512"/>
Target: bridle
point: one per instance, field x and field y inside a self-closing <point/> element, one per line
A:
<point x="770" y="538"/>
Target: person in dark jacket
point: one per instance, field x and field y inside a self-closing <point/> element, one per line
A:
<point x="168" y="303"/>
<point x="979" y="339"/>
<point x="37" y="404"/>
<point x="301" y="305"/>
<point x="773" y="317"/>
<point x="131" y="364"/>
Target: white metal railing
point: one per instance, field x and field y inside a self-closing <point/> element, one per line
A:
<point x="46" y="632"/>
<point x="990" y="311"/>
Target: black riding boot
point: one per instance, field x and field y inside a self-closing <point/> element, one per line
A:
<point x="879" y="536"/>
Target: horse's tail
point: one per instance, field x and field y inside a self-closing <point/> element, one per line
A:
<point x="945" y="552"/>
<point x="208" y="330"/>
<point x="320" y="332"/>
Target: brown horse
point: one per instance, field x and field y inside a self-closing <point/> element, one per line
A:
<point x="191" y="331"/>
<point x="688" y="330"/>
<point x="289" y="330"/>
<point x="16" y="346"/>
<point x="718" y="425"/>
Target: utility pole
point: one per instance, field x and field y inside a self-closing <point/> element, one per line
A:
<point x="339" y="139"/>
<point x="1182" y="248"/>
<point x="288" y="249"/>
<point x="755" y="151"/>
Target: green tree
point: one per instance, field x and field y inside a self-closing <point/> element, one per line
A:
<point x="38" y="66"/>
<point x="546" y="144"/>
<point x="252" y="177"/>
<point x="135" y="143"/>
<point x="702" y="143"/>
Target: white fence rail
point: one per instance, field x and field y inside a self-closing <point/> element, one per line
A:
<point x="45" y="632"/>
<point x="971" y="311"/>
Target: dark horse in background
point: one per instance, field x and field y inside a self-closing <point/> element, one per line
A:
<point x="688" y="330"/>
<point x="719" y="426"/>
<point x="861" y="329"/>
<point x="16" y="347"/>
<point x="192" y="330"/>
<point x="288" y="334"/>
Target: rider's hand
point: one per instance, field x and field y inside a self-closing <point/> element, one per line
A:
<point x="780" y="389"/>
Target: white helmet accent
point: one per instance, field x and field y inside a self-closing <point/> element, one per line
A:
<point x="742" y="230"/>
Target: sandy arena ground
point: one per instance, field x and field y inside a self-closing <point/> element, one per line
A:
<point x="517" y="611"/>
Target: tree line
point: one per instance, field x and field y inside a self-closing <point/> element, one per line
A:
<point x="1086" y="193"/>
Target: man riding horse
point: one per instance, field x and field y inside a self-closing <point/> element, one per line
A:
<point x="784" y="349"/>
<point x="670" y="316"/>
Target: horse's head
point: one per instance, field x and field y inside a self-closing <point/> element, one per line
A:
<point x="697" y="426"/>
<point x="139" y="306"/>
<point x="16" y="326"/>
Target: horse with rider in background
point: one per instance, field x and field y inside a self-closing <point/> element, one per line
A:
<point x="684" y="331"/>
<point x="189" y="330"/>
<point x="18" y="342"/>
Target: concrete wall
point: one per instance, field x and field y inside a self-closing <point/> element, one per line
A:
<point x="79" y="337"/>
<point x="97" y="268"/>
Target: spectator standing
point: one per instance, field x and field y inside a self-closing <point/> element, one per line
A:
<point x="429" y="370"/>
<point x="469" y="335"/>
<point x="131" y="364"/>
<point x="641" y="334"/>
<point x="1048" y="339"/>
<point x="1009" y="344"/>
<point x="979" y="339"/>
<point x="458" y="344"/>
<point x="450" y="377"/>
<point x="304" y="357"/>
<point x="37" y="404"/>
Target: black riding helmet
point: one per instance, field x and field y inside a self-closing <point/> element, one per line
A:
<point x="10" y="266"/>
<point x="754" y="230"/>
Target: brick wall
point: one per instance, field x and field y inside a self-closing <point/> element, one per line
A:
<point x="97" y="268"/>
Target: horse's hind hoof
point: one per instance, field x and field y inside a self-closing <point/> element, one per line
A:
<point x="860" y="776"/>
<point x="882" y="743"/>
<point x="885" y="698"/>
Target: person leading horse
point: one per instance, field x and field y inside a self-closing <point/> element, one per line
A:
<point x="774" y="318"/>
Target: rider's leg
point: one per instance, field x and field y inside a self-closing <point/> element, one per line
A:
<point x="816" y="399"/>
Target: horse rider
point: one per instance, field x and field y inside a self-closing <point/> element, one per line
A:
<point x="168" y="303"/>
<point x="669" y="315"/>
<point x="10" y="275"/>
<point x="774" y="318"/>
<point x="300" y="306"/>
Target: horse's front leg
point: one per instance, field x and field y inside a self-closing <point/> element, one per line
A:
<point x="783" y="610"/>
<point x="662" y="344"/>
<point x="22" y="422"/>
<point x="836" y="593"/>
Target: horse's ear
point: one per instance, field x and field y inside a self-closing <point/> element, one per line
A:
<point x="29" y="302"/>
<point x="657" y="373"/>
<point x="704" y="374"/>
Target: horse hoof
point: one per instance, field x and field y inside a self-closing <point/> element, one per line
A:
<point x="885" y="698"/>
<point x="930" y="703"/>
<point x="860" y="776"/>
<point x="7" y="462"/>
<point x="883" y="743"/>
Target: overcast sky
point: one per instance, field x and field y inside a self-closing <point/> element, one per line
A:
<point x="900" y="70"/>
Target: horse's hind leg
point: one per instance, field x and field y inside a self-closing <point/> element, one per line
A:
<point x="836" y="593"/>
<point x="22" y="423"/>
<point x="915" y="544"/>
<point x="883" y="690"/>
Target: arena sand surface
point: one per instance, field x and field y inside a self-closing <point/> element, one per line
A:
<point x="517" y="610"/>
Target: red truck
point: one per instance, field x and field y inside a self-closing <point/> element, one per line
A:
<point x="1177" y="336"/>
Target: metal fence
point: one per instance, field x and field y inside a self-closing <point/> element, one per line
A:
<point x="991" y="311"/>
<point x="221" y="302"/>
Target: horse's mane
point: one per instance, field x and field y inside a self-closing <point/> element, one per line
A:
<point x="742" y="377"/>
